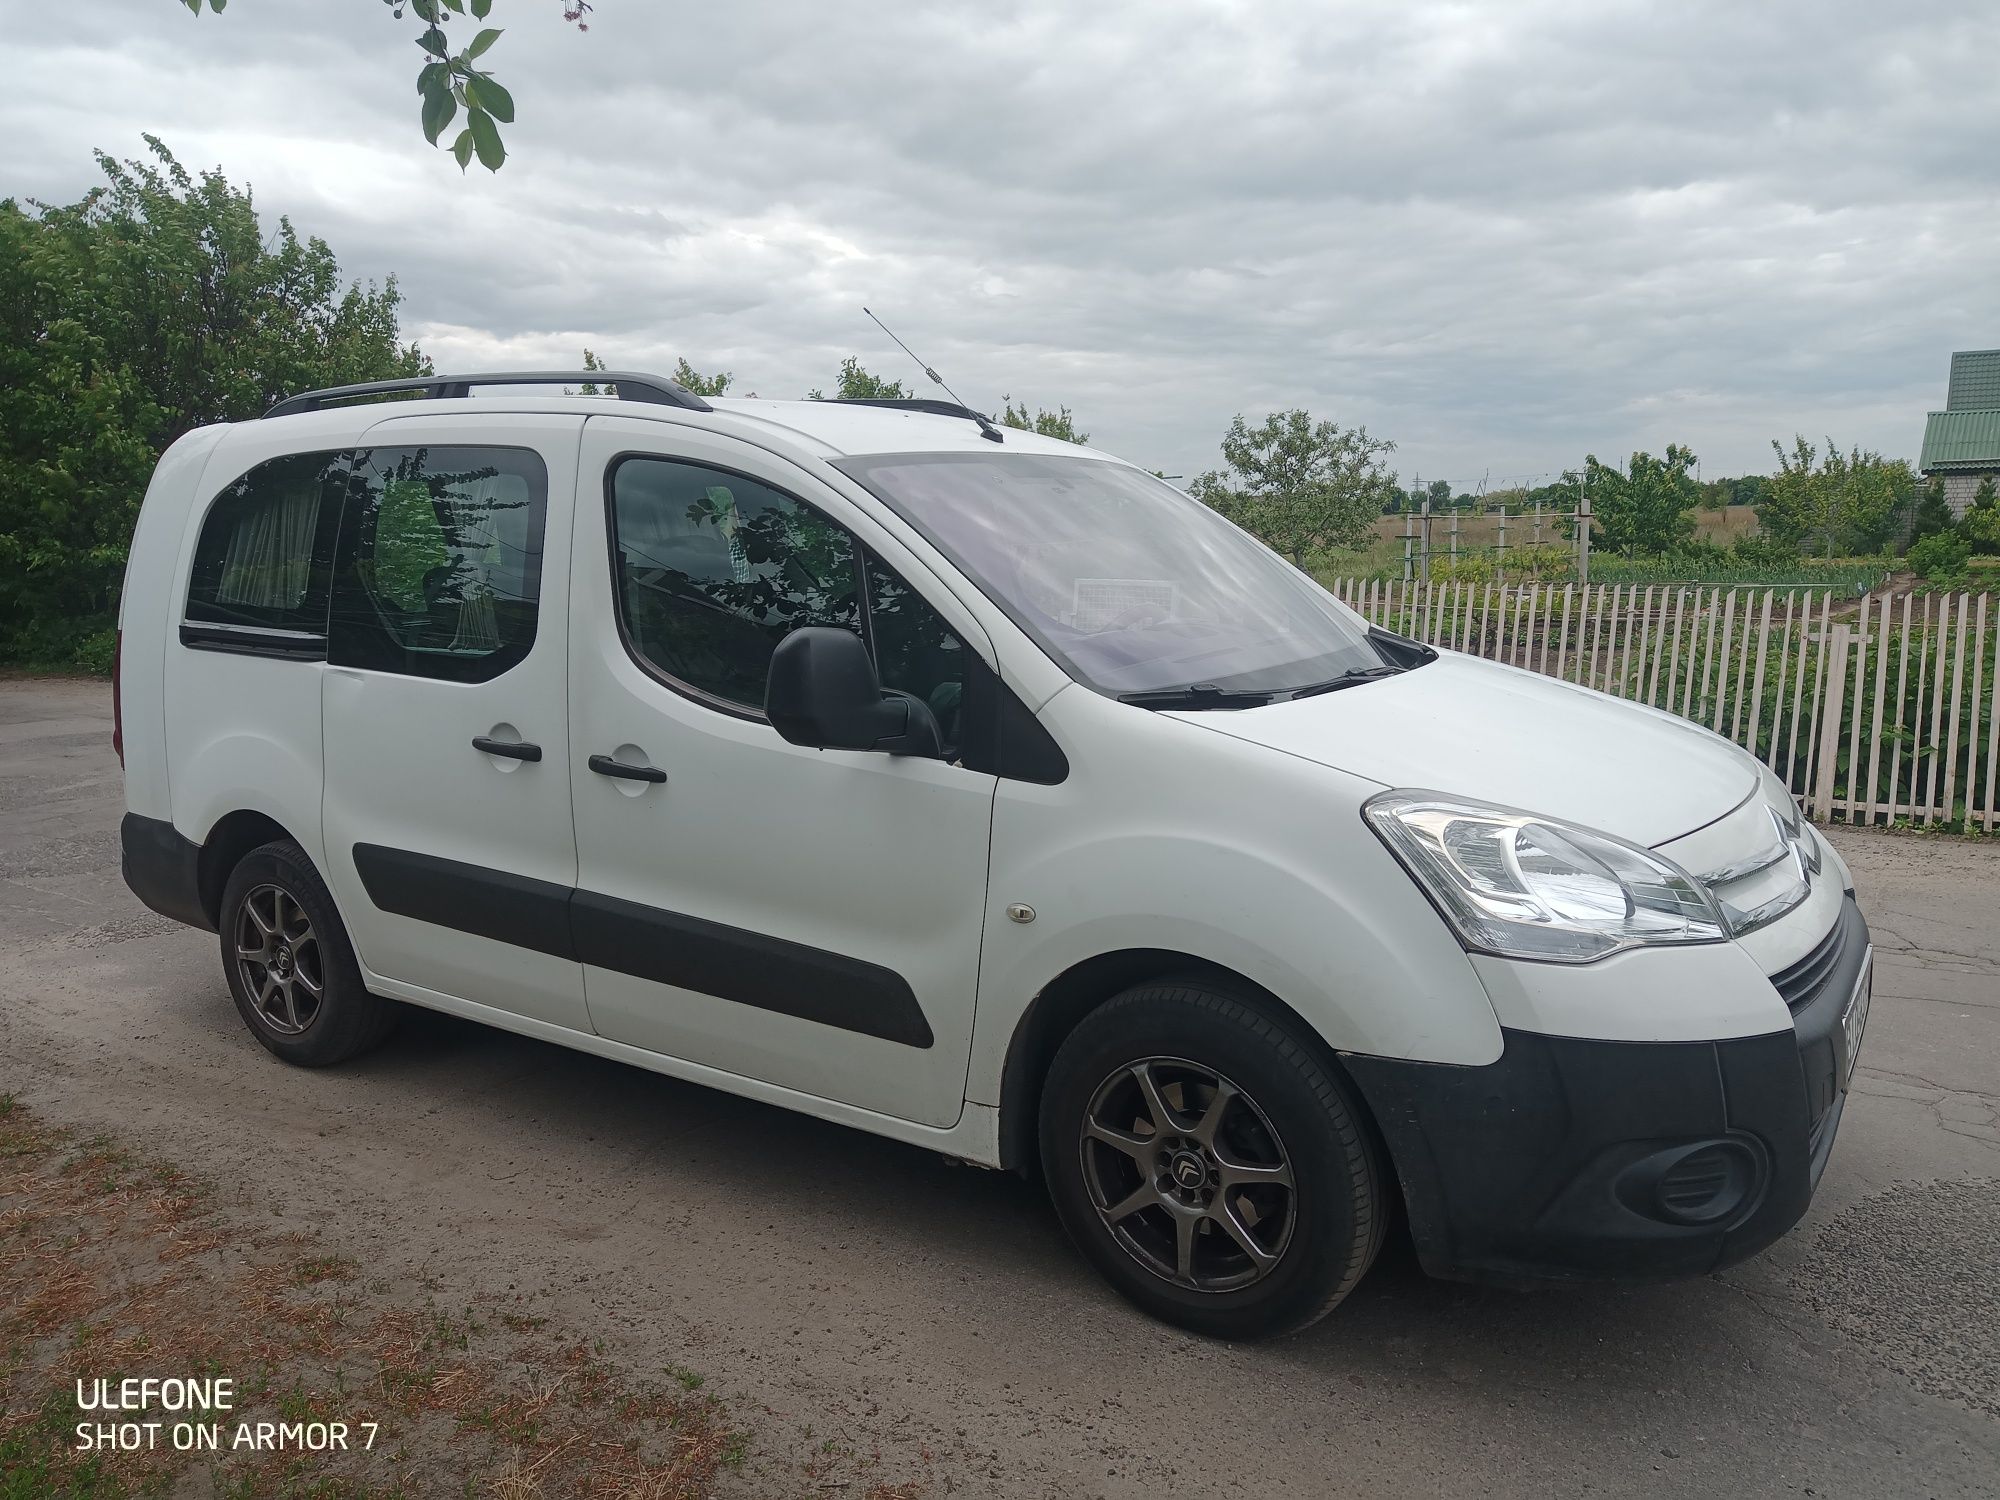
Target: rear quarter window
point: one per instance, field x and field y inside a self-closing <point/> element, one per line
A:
<point x="264" y="558"/>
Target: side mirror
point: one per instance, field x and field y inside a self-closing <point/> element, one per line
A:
<point x="822" y="691"/>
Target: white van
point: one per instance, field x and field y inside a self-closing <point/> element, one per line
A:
<point x="988" y="793"/>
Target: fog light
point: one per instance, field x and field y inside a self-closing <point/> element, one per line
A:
<point x="1707" y="1184"/>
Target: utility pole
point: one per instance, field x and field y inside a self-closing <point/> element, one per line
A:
<point x="1582" y="531"/>
<point x="1425" y="551"/>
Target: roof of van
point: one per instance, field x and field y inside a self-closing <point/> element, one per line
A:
<point x="851" y="427"/>
<point x="828" y="429"/>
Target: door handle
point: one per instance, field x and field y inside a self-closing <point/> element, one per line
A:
<point x="511" y="749"/>
<point x="604" y="765"/>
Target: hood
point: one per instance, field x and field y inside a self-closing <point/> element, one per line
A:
<point x="1460" y="724"/>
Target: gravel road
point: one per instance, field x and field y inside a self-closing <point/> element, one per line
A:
<point x="820" y="1276"/>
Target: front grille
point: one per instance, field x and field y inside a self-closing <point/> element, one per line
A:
<point x="1801" y="982"/>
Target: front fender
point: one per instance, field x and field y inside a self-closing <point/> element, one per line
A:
<point x="1248" y="859"/>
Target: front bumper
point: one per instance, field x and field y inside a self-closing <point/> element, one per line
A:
<point x="1576" y="1160"/>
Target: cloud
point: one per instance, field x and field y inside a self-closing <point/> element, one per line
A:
<point x="1501" y="235"/>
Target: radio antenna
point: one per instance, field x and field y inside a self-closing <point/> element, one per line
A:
<point x="986" y="429"/>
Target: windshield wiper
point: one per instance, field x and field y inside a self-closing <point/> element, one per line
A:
<point x="1195" y="695"/>
<point x="1353" y="677"/>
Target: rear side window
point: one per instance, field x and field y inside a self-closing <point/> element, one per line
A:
<point x="264" y="557"/>
<point x="713" y="570"/>
<point x="439" y="567"/>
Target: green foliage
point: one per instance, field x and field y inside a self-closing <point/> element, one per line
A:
<point x="1646" y="509"/>
<point x="1981" y="524"/>
<point x="1834" y="502"/>
<point x="856" y="384"/>
<point x="589" y="387"/>
<point x="1055" y="424"/>
<point x="702" y="385"/>
<point x="1940" y="557"/>
<point x="1933" y="512"/>
<point x="154" y="304"/>
<point x="685" y="375"/>
<point x="448" y="82"/>
<point x="1299" y="485"/>
<point x="1720" y="494"/>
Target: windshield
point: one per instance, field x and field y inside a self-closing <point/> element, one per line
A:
<point x="1128" y="583"/>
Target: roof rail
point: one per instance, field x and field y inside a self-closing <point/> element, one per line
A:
<point x="655" y="390"/>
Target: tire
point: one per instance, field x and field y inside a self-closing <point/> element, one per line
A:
<point x="1285" y="1115"/>
<point x="276" y="904"/>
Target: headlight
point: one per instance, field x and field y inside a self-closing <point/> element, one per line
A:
<point x="1529" y="887"/>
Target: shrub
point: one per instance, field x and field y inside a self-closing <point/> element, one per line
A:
<point x="1940" y="557"/>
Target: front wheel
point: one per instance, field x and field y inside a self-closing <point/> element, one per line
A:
<point x="1209" y="1164"/>
<point x="291" y="968"/>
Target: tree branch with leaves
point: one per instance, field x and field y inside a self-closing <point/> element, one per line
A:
<point x="449" y="80"/>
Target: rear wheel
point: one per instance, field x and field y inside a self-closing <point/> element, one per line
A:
<point x="1209" y="1164"/>
<point x="290" y="966"/>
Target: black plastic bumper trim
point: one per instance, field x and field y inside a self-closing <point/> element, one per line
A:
<point x="163" y="869"/>
<point x="1541" y="1167"/>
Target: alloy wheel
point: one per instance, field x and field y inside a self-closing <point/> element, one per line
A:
<point x="278" y="959"/>
<point x="1188" y="1175"/>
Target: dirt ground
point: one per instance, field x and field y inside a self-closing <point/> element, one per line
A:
<point x="828" y="1288"/>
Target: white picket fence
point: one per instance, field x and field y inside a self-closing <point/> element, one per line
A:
<point x="1875" y="709"/>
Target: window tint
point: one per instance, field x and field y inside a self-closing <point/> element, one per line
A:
<point x="266" y="547"/>
<point x="713" y="570"/>
<point x="915" y="651"/>
<point x="440" y="561"/>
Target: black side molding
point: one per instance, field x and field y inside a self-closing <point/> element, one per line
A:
<point x="515" y="909"/>
<point x="750" y="968"/>
<point x="691" y="953"/>
<point x="163" y="869"/>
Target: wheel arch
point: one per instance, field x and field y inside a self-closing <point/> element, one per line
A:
<point x="233" y="836"/>
<point x="1072" y="995"/>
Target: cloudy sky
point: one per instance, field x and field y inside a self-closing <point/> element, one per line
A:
<point x="1501" y="234"/>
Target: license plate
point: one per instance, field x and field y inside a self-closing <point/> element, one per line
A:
<point x="1854" y="1019"/>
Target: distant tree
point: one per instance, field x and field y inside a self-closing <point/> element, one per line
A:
<point x="448" y="82"/>
<point x="154" y="304"/>
<point x="1299" y="485"/>
<point x="1440" y="493"/>
<point x="1981" y="526"/>
<point x="589" y="387"/>
<point x="1933" y="513"/>
<point x="1833" y="502"/>
<point x="1645" y="508"/>
<point x="856" y="384"/>
<point x="1055" y="424"/>
<point x="685" y="375"/>
<point x="693" y="380"/>
<point x="1748" y="490"/>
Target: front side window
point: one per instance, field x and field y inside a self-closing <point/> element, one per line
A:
<point x="439" y="567"/>
<point x="712" y="570"/>
<point x="265" y="552"/>
<point x="915" y="651"/>
<point x="1126" y="582"/>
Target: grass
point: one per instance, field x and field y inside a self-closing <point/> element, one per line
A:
<point x="113" y="1264"/>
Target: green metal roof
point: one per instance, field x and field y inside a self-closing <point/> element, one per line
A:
<point x="1975" y="381"/>
<point x="1961" y="440"/>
